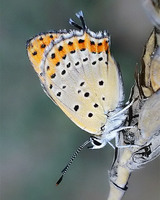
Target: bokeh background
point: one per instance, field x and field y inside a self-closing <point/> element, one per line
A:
<point x="37" y="139"/>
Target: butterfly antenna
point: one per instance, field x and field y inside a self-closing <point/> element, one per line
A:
<point x="81" y="17"/>
<point x="71" y="160"/>
<point x="73" y="23"/>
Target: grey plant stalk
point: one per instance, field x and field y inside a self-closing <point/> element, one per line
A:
<point x="144" y="114"/>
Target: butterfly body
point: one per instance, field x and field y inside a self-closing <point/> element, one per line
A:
<point x="78" y="73"/>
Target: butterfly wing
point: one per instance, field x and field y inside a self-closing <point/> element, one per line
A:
<point x="82" y="78"/>
<point x="79" y="74"/>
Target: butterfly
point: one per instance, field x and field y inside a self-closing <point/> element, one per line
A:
<point x="79" y="74"/>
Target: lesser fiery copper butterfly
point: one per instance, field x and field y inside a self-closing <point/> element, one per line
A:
<point x="78" y="73"/>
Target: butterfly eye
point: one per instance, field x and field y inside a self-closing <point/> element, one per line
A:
<point x="96" y="142"/>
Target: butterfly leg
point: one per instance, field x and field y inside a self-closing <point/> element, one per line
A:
<point x="111" y="145"/>
<point x="124" y="109"/>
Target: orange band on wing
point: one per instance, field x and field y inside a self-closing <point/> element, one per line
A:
<point x="36" y="48"/>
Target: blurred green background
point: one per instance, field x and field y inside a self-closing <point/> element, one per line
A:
<point x="37" y="139"/>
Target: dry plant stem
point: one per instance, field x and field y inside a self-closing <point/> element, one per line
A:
<point x="146" y="133"/>
<point x="117" y="181"/>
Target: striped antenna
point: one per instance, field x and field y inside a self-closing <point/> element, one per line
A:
<point x="71" y="161"/>
<point x="73" y="23"/>
<point x="81" y="17"/>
